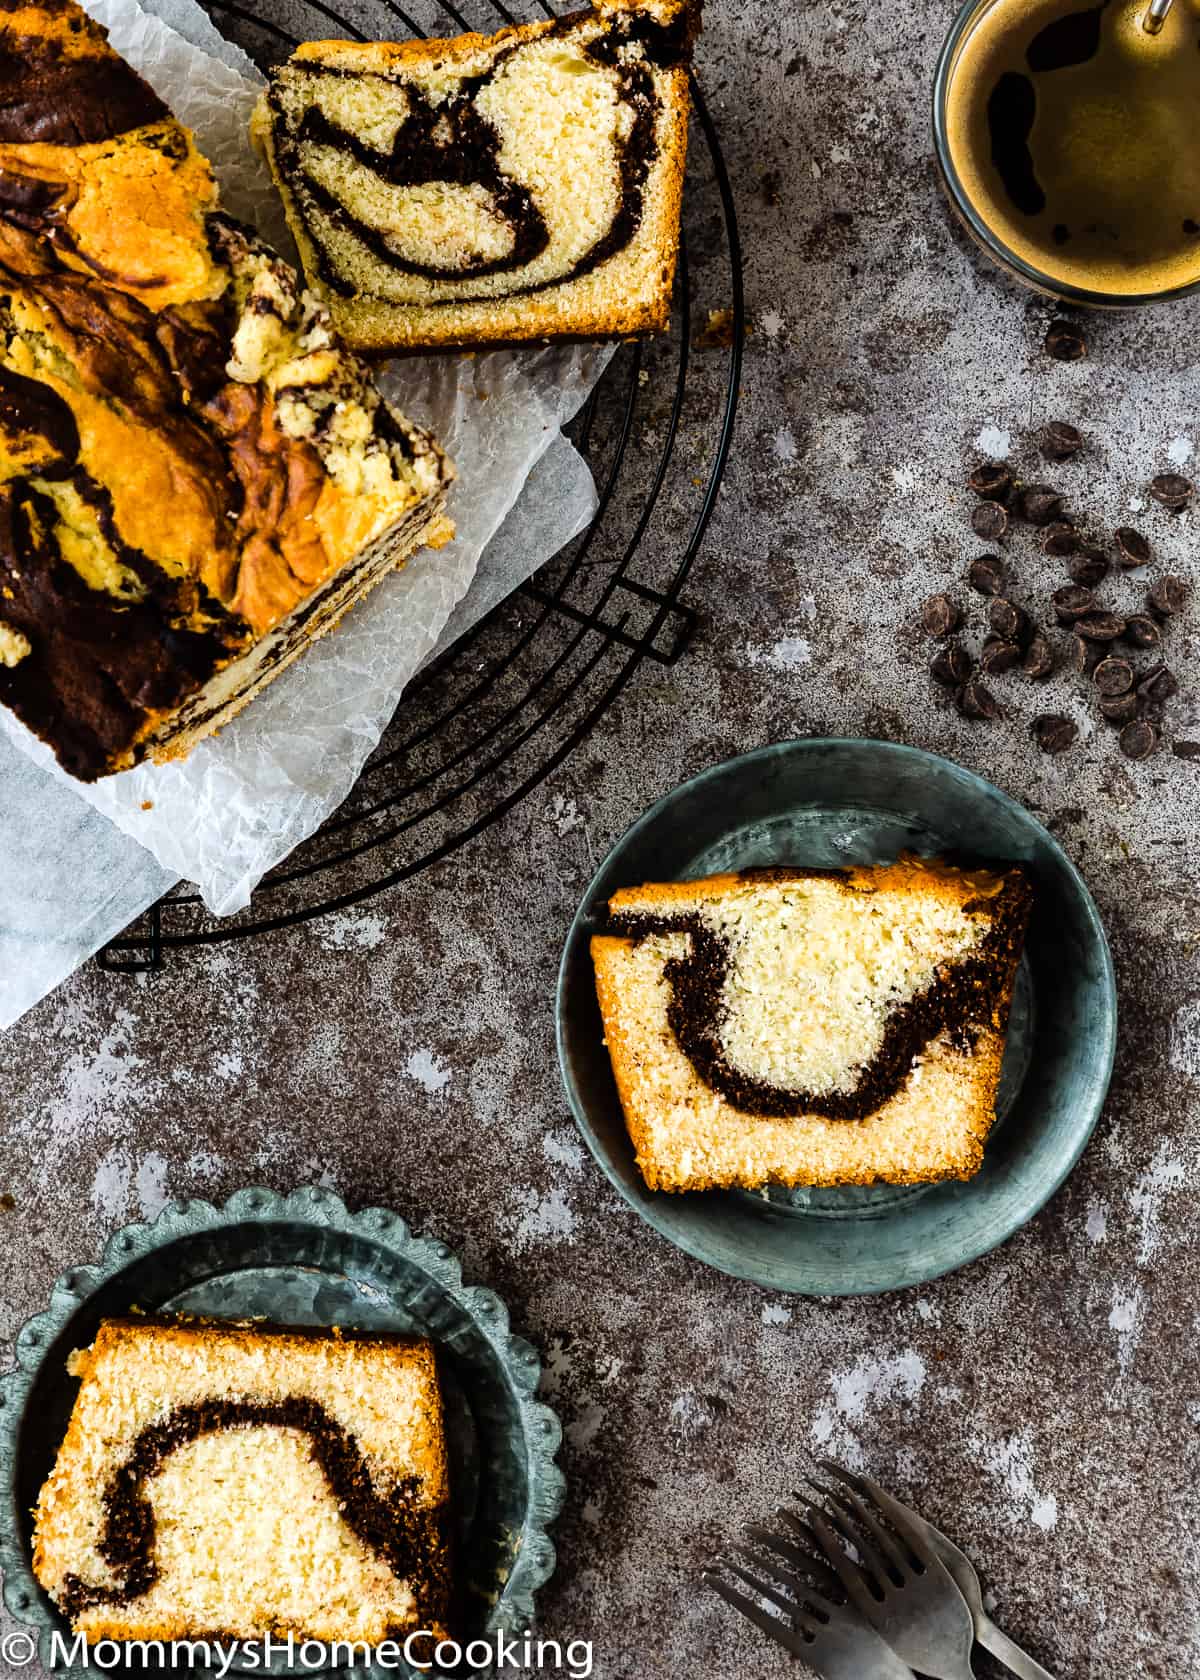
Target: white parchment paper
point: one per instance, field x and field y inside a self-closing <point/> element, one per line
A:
<point x="70" y="876"/>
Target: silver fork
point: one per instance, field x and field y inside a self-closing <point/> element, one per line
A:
<point x="831" y="1638"/>
<point x="923" y="1537"/>
<point x="908" y="1595"/>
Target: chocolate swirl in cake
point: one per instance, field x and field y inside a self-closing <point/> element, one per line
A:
<point x="969" y="988"/>
<point x="407" y="1535"/>
<point x="453" y="143"/>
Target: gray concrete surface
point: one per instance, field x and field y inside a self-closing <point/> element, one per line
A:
<point x="1043" y="1402"/>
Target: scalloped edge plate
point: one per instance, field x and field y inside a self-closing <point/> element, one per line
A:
<point x="535" y="1440"/>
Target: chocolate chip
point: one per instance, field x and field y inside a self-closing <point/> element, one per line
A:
<point x="1085" y="656"/>
<point x="1065" y="342"/>
<point x="992" y="480"/>
<point x="986" y="574"/>
<point x="1113" y="676"/>
<point x="1119" y="708"/>
<point x="1100" y="627"/>
<point x="989" y="521"/>
<point x="976" y="701"/>
<point x="1133" y="549"/>
<point x="1073" y="602"/>
<point x="1039" y="658"/>
<point x="999" y="655"/>
<point x="1158" y="686"/>
<point x="1059" y="441"/>
<point x="1040" y="504"/>
<point x="952" y="666"/>
<point x="1172" y="490"/>
<point x="1060" y="538"/>
<point x="1089" y="567"/>
<point x="1139" y="738"/>
<point x="1168" y="596"/>
<point x="940" y="615"/>
<point x="1189" y="750"/>
<point x="1008" y="620"/>
<point x="1142" y="631"/>
<point x="1053" y="732"/>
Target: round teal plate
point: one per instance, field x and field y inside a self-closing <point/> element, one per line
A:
<point x="306" y="1259"/>
<point x="827" y="803"/>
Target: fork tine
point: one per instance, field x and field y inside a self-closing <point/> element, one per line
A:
<point x="897" y="1514"/>
<point x="805" y="1592"/>
<point x="764" y="1589"/>
<point x="817" y="1556"/>
<point x="770" y="1625"/>
<point x="869" y="1563"/>
<point x="857" y="1505"/>
<point x="850" y="1575"/>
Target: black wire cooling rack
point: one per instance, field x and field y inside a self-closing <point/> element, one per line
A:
<point x="485" y="724"/>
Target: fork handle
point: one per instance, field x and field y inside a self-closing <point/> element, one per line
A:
<point x="996" y="1641"/>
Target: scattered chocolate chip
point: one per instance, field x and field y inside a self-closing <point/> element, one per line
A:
<point x="1059" y="441"/>
<point x="8" y="1202"/>
<point x="1133" y="549"/>
<point x="1060" y="538"/>
<point x="1113" y="676"/>
<point x="1172" y="490"/>
<point x="986" y="574"/>
<point x="1085" y="656"/>
<point x="1186" y="749"/>
<point x="992" y="480"/>
<point x="1100" y="627"/>
<point x="999" y="655"/>
<point x="1089" y="567"/>
<point x="940" y="615"/>
<point x="1053" y="732"/>
<point x="1008" y="620"/>
<point x="1142" y="631"/>
<point x="989" y="521"/>
<point x="1065" y="342"/>
<point x="1139" y="738"/>
<point x="1073" y="601"/>
<point x="1168" y="595"/>
<point x="1158" y="686"/>
<point x="1039" y="658"/>
<point x="1040" y="504"/>
<point x="976" y="701"/>
<point x="952" y="666"/>
<point x="1119" y="708"/>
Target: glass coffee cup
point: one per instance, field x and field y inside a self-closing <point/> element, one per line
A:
<point x="1068" y="138"/>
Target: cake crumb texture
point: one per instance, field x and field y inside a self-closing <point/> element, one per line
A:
<point x="849" y="1029"/>
<point x="244" y="1479"/>
<point x="489" y="189"/>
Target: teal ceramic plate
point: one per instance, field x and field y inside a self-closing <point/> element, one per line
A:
<point x="826" y="803"/>
<point x="304" y="1259"/>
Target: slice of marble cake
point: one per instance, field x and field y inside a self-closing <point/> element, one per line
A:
<point x="239" y="1480"/>
<point x="811" y="1027"/>
<point x="489" y="189"/>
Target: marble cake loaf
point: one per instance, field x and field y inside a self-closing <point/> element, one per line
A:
<point x="811" y="1027"/>
<point x="230" y="1481"/>
<point x="488" y="190"/>
<point x="197" y="480"/>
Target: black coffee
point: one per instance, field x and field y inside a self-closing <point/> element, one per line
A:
<point x="1076" y="137"/>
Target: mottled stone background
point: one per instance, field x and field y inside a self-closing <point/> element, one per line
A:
<point x="1042" y="1404"/>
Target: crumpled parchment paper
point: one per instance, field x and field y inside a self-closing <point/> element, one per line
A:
<point x="74" y="876"/>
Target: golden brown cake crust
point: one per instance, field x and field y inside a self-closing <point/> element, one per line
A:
<point x="186" y="455"/>
<point x="923" y="1125"/>
<point x="619" y="298"/>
